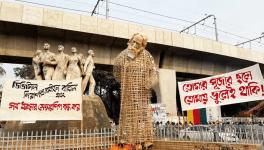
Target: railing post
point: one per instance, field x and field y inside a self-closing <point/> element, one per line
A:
<point x="31" y="139"/>
<point x="55" y="139"/>
<point x="40" y="145"/>
<point x="72" y="139"/>
<point x="46" y="139"/>
<point x="171" y="132"/>
<point x="163" y="132"/>
<point x="257" y="134"/>
<point x="7" y="141"/>
<point x="85" y="138"/>
<point x="240" y="134"/>
<point x="64" y="139"/>
<point x="26" y="139"/>
<point x="81" y="136"/>
<point x="22" y="140"/>
<point x="77" y="138"/>
<point x="252" y="135"/>
<point x="50" y="140"/>
<point x="90" y="139"/>
<point x="17" y="135"/>
<point x="247" y="137"/>
<point x="108" y="137"/>
<point x="60" y="138"/>
<point x="36" y="139"/>
<point x="12" y="143"/>
<point x="69" y="139"/>
<point x="101" y="138"/>
<point x="94" y="138"/>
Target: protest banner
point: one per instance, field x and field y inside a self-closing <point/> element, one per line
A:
<point x="159" y="112"/>
<point x="239" y="86"/>
<point x="41" y="100"/>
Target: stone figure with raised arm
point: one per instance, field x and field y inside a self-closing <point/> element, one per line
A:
<point x="74" y="67"/>
<point x="88" y="73"/>
<point x="134" y="67"/>
<point x="36" y="65"/>
<point x="61" y="61"/>
<point x="48" y="62"/>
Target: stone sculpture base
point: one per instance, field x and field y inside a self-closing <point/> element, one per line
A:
<point x="94" y="117"/>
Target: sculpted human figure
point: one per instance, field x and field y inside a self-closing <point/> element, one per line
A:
<point x="74" y="68"/>
<point x="82" y="59"/>
<point x="134" y="67"/>
<point x="88" y="73"/>
<point x="61" y="61"/>
<point x="36" y="65"/>
<point x="48" y="62"/>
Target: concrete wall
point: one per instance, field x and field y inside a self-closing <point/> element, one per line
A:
<point x="200" y="63"/>
<point x="22" y="41"/>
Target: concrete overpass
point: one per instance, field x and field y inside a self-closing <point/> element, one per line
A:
<point x="23" y="29"/>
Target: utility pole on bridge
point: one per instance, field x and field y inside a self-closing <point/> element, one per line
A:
<point x="215" y="26"/>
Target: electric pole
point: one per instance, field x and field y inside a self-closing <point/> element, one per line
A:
<point x="215" y="27"/>
<point x="107" y="9"/>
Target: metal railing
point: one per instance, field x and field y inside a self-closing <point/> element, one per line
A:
<point x="244" y="134"/>
<point x="104" y="138"/>
<point x="72" y="139"/>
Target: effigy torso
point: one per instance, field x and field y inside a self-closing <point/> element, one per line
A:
<point x="135" y="124"/>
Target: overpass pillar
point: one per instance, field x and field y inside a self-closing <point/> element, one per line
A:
<point x="166" y="91"/>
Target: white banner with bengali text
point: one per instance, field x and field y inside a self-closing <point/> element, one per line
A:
<point x="159" y="112"/>
<point x="239" y="86"/>
<point x="41" y="100"/>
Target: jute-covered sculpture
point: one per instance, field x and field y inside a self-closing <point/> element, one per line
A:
<point x="135" y="69"/>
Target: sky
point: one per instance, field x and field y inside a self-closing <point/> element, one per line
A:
<point x="237" y="20"/>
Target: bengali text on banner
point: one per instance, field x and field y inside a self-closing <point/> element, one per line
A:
<point x="235" y="87"/>
<point x="41" y="100"/>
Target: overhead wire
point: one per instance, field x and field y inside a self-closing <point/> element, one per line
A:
<point x="161" y="15"/>
<point x="79" y="2"/>
<point x="150" y="12"/>
<point x="141" y="10"/>
<point x="66" y="8"/>
<point x="132" y="14"/>
<point x="141" y="23"/>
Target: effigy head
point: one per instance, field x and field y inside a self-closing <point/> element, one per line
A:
<point x="90" y="52"/>
<point x="73" y="50"/>
<point x="46" y="46"/>
<point x="60" y="48"/>
<point x="137" y="43"/>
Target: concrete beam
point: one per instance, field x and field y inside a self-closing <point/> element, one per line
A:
<point x="38" y="16"/>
